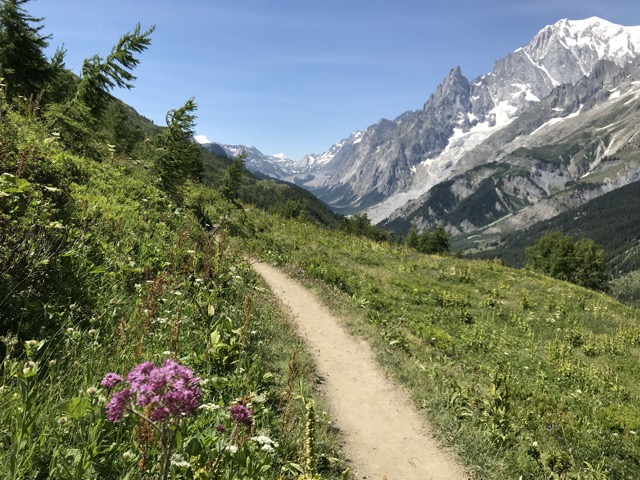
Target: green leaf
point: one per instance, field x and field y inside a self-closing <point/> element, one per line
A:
<point x="78" y="407"/>
<point x="215" y="338"/>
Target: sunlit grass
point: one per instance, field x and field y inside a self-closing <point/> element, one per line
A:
<point x="523" y="375"/>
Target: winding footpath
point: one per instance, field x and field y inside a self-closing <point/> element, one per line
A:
<point x="384" y="434"/>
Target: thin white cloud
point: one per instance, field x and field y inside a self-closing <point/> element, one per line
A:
<point x="281" y="156"/>
<point x="201" y="139"/>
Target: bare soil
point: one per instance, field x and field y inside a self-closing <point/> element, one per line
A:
<point x="384" y="434"/>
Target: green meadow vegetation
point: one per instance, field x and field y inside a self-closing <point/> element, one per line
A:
<point x="137" y="343"/>
<point x="101" y="271"/>
<point x="523" y="375"/>
<point x="116" y="271"/>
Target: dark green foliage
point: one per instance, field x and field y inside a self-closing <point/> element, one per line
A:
<point x="559" y="256"/>
<point x="99" y="76"/>
<point x="432" y="242"/>
<point x="436" y="241"/>
<point x="181" y="158"/>
<point x="121" y="131"/>
<point x="23" y="64"/>
<point x="286" y="199"/>
<point x="412" y="237"/>
<point x="77" y="118"/>
<point x="61" y="84"/>
<point x="36" y="245"/>
<point x="233" y="178"/>
<point x="360" y="225"/>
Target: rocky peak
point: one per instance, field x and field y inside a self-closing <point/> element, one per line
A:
<point x="452" y="95"/>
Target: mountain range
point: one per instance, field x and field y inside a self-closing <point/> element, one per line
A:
<point x="553" y="125"/>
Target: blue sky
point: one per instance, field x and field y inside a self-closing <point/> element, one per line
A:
<point x="296" y="76"/>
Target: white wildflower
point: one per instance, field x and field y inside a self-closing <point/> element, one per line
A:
<point x="209" y="407"/>
<point x="265" y="443"/>
<point x="178" y="460"/>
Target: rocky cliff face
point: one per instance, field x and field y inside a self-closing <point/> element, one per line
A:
<point x="578" y="142"/>
<point x="567" y="68"/>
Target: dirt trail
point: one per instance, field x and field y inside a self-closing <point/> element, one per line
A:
<point x="383" y="432"/>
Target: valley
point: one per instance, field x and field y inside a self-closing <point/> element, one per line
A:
<point x="137" y="341"/>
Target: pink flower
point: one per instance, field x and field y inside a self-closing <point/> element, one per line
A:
<point x="241" y="415"/>
<point x="110" y="380"/>
<point x="170" y="390"/>
<point x="117" y="405"/>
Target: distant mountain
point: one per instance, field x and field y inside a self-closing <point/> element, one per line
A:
<point x="270" y="165"/>
<point x="551" y="126"/>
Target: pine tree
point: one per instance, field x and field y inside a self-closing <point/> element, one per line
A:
<point x="436" y="241"/>
<point x="233" y="178"/>
<point x="559" y="256"/>
<point x="120" y="131"/>
<point x="23" y="64"/>
<point x="412" y="236"/>
<point x="425" y="242"/>
<point x="99" y="76"/>
<point x="181" y="158"/>
<point x="440" y="240"/>
<point x="76" y="119"/>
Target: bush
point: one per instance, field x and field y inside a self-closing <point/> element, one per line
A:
<point x="559" y="256"/>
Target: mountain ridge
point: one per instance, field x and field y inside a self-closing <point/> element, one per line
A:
<point x="545" y="91"/>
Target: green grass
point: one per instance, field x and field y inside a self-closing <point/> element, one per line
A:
<point x="523" y="375"/>
<point x="103" y="272"/>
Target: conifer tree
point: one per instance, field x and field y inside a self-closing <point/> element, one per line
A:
<point x="439" y="240"/>
<point x="99" y="76"/>
<point x="436" y="241"/>
<point x="412" y="236"/>
<point x="181" y="158"/>
<point x="120" y="131"/>
<point x="425" y="242"/>
<point x="76" y="119"/>
<point x="233" y="178"/>
<point x="559" y="256"/>
<point x="23" y="63"/>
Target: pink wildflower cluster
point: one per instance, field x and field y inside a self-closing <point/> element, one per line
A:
<point x="171" y="389"/>
<point x="241" y="415"/>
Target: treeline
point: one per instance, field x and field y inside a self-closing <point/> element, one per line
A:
<point x="360" y="224"/>
<point x="428" y="241"/>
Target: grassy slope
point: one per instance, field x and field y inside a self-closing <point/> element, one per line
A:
<point x="105" y="272"/>
<point x="524" y="375"/>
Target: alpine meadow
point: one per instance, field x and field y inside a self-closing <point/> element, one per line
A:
<point x="137" y="341"/>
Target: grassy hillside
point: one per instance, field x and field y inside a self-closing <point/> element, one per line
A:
<point x="101" y="271"/>
<point x="136" y="342"/>
<point x="526" y="377"/>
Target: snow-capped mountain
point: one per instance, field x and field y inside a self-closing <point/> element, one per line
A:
<point x="398" y="161"/>
<point x="272" y="165"/>
<point x="315" y="161"/>
<point x="280" y="167"/>
<point x="577" y="143"/>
